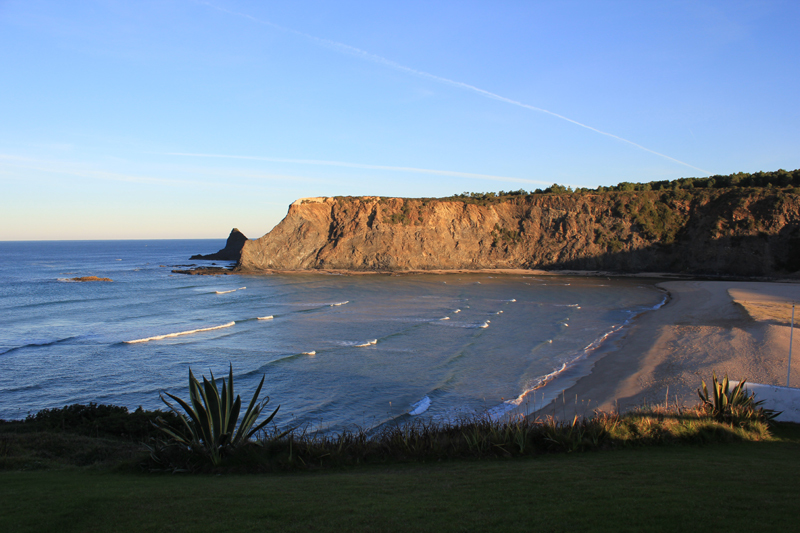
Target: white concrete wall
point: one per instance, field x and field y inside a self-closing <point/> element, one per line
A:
<point x="786" y="399"/>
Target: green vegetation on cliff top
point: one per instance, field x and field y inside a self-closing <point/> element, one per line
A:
<point x="682" y="187"/>
<point x="775" y="179"/>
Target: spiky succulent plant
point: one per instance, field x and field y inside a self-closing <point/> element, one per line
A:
<point x="725" y="403"/>
<point x="210" y="421"/>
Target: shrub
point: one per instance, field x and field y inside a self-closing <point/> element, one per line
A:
<point x="99" y="420"/>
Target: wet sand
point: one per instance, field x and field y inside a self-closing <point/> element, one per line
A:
<point x="729" y="327"/>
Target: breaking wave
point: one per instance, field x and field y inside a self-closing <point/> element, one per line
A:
<point x="369" y="343"/>
<point x="232" y="290"/>
<point x="180" y="333"/>
<point x="420" y="407"/>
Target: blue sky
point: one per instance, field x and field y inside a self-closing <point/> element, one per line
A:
<point x="183" y="119"/>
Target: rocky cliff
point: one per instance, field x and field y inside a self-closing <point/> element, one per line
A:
<point x="740" y="232"/>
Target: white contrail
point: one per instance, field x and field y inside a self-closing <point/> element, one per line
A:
<point x="451" y="173"/>
<point x="82" y="171"/>
<point x="352" y="50"/>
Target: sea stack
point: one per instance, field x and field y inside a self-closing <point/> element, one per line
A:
<point x="232" y="250"/>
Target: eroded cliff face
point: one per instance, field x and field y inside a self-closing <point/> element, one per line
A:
<point x="718" y="231"/>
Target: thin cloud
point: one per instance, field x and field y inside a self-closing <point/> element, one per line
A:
<point x="10" y="166"/>
<point x="357" y="52"/>
<point x="70" y="169"/>
<point x="450" y="173"/>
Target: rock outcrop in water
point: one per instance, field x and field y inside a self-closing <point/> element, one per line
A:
<point x="90" y="278"/>
<point x="232" y="250"/>
<point x="733" y="232"/>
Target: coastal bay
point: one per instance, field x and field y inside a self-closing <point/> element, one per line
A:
<point x="339" y="350"/>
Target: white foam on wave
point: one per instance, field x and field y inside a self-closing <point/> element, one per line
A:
<point x="370" y="343"/>
<point x="232" y="290"/>
<point x="420" y="407"/>
<point x="340" y="303"/>
<point x="312" y="352"/>
<point x="484" y="325"/>
<point x="508" y="405"/>
<point x="270" y="317"/>
<point x="445" y="318"/>
<point x="457" y="311"/>
<point x="180" y="333"/>
<point x="499" y="313"/>
<point x="660" y="304"/>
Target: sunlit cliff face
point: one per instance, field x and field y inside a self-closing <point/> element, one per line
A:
<point x="740" y="232"/>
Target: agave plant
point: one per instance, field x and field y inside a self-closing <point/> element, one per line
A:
<point x="210" y="420"/>
<point x="725" y="403"/>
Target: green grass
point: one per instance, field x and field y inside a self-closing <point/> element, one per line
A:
<point x="79" y="469"/>
<point x="748" y="486"/>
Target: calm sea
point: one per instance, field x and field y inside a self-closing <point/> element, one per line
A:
<point x="337" y="351"/>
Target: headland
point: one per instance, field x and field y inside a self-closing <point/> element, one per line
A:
<point x="733" y="232"/>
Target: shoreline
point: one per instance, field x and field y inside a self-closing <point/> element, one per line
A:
<point x="708" y="324"/>
<point x="738" y="328"/>
<point x="519" y="272"/>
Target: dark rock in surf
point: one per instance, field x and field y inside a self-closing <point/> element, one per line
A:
<point x="205" y="271"/>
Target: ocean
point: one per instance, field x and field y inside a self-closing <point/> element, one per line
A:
<point x="338" y="352"/>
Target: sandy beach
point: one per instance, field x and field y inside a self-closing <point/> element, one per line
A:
<point x="729" y="327"/>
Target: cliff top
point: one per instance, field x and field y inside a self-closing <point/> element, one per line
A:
<point x="778" y="179"/>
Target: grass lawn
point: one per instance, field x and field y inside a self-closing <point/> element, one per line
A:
<point x="748" y="486"/>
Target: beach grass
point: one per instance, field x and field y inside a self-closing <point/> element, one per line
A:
<point x="112" y="438"/>
<point x="669" y="488"/>
<point x="468" y="439"/>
